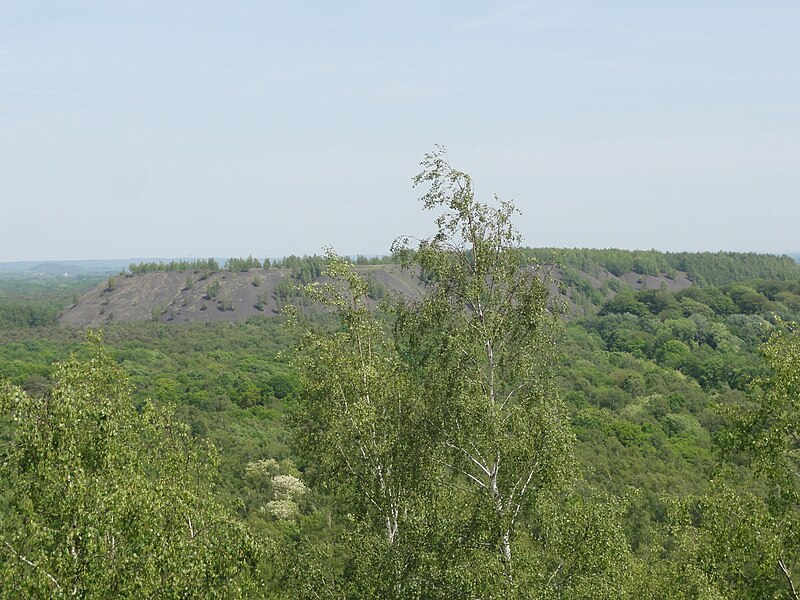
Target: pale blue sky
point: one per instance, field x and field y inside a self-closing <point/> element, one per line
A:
<point x="234" y="128"/>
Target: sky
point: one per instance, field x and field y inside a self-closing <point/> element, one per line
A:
<point x="199" y="128"/>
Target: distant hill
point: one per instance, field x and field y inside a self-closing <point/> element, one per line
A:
<point x="185" y="296"/>
<point x="583" y="279"/>
<point x="51" y="269"/>
<point x="57" y="268"/>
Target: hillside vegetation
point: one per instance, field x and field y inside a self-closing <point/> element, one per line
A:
<point x="184" y="291"/>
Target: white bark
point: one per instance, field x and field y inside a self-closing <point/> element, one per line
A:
<point x="30" y="563"/>
<point x="788" y="576"/>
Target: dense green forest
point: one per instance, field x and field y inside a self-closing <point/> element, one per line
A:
<point x="480" y="442"/>
<point x="714" y="268"/>
<point x="28" y="302"/>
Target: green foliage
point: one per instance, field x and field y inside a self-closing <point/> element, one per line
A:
<point x="480" y="343"/>
<point x="444" y="442"/>
<point x="286" y="289"/>
<point x="359" y="421"/>
<point x="617" y="262"/>
<point x="375" y="289"/>
<point x="584" y="550"/>
<point x="24" y="315"/>
<point x="739" y="537"/>
<point x="261" y="301"/>
<point x="242" y="264"/>
<point x="282" y="386"/>
<point x="225" y="379"/>
<point x="156" y="312"/>
<point x="101" y="500"/>
<point x="731" y="541"/>
<point x="720" y="268"/>
<point x="624" y="302"/>
<point x="208" y="264"/>
<point x="374" y="260"/>
<point x="708" y="268"/>
<point x="572" y="278"/>
<point x="213" y="289"/>
<point x="35" y="302"/>
<point x="707" y="333"/>
<point x="767" y="431"/>
<point x="225" y="303"/>
<point x="303" y="270"/>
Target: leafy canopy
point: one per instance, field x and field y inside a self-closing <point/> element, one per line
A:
<point x="102" y="500"/>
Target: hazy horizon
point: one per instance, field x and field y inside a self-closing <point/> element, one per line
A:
<point x="193" y="130"/>
<point x="221" y="259"/>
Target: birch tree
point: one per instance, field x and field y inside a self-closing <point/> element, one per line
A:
<point x="436" y="426"/>
<point x="480" y="345"/>
<point x="101" y="500"/>
<point x="359" y="422"/>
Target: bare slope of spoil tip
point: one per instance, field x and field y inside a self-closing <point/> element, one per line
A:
<point x="180" y="297"/>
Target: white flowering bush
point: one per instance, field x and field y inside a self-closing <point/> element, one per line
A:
<point x="282" y="509"/>
<point x="272" y="481"/>
<point x="261" y="468"/>
<point x="287" y="487"/>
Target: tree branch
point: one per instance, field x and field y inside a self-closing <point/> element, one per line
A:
<point x="481" y="465"/>
<point x="463" y="472"/>
<point x="29" y="562"/>
<point x="785" y="571"/>
<point x="554" y="573"/>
